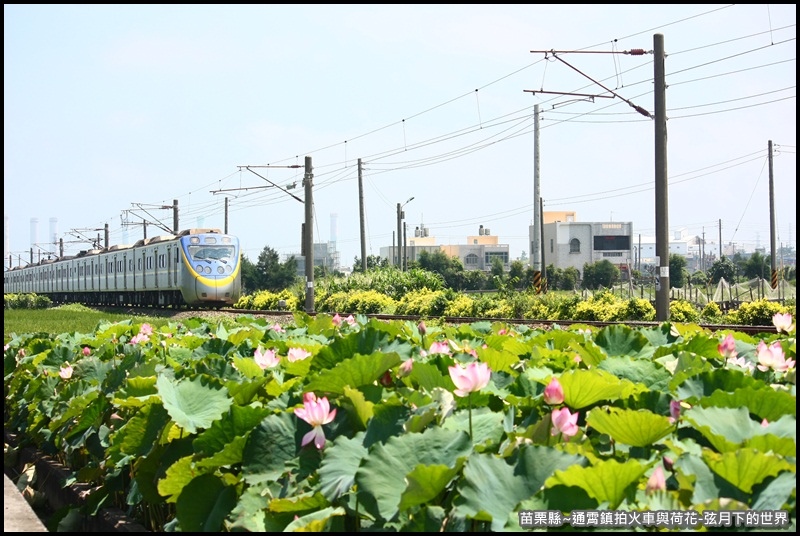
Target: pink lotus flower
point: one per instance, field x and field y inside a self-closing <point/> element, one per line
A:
<point x="772" y="357"/>
<point x="86" y="351"/>
<point x="440" y="347"/>
<point x="66" y="371"/>
<point x="297" y="354"/>
<point x="266" y="359"/>
<point x="727" y="348"/>
<point x="315" y="412"/>
<point x="277" y="327"/>
<point x="422" y="328"/>
<point x="139" y="337"/>
<point x="674" y="410"/>
<point x="405" y="368"/>
<point x="656" y="482"/>
<point x="764" y="423"/>
<point x="471" y="378"/>
<point x="554" y="393"/>
<point x="146" y="329"/>
<point x="783" y="322"/>
<point x="337" y="320"/>
<point x="741" y="362"/>
<point x="564" y="422"/>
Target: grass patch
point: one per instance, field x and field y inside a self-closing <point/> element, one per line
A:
<point x="73" y="318"/>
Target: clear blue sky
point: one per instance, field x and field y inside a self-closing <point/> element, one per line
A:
<point x="112" y="111"/>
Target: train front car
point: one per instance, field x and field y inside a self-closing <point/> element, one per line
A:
<point x="212" y="274"/>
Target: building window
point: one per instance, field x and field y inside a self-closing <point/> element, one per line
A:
<point x="612" y="254"/>
<point x="471" y="260"/>
<point x="491" y="255"/>
<point x="574" y="246"/>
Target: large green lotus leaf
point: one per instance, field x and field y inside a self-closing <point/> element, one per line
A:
<point x="707" y="382"/>
<point x="303" y="502"/>
<point x="83" y="408"/>
<point x="554" y="340"/>
<point x="427" y="377"/>
<point x="369" y="340"/>
<point x="224" y="442"/>
<point x="249" y="514"/>
<point x="509" y="344"/>
<point x="536" y="463"/>
<point x="354" y="372"/>
<point x="590" y="354"/>
<point x="660" y="336"/>
<point x="745" y="467"/>
<point x="642" y="371"/>
<point x="204" y="504"/>
<point x="178" y="476"/>
<point x="726" y="428"/>
<point x="695" y="469"/>
<point x="318" y="521"/>
<point x="490" y="489"/>
<point x="487" y="425"/>
<point x="686" y="366"/>
<point x="381" y="477"/>
<point x="337" y="472"/>
<point x="362" y="409"/>
<point x="388" y="421"/>
<point x="498" y="360"/>
<point x="270" y="446"/>
<point x="606" y="481"/>
<point x="244" y="392"/>
<point x="766" y="402"/>
<point x="637" y="428"/>
<point x="429" y="518"/>
<point x="191" y="404"/>
<point x="619" y="339"/>
<point x="139" y="435"/>
<point x="586" y="387"/>
<point x="248" y="367"/>
<point x="425" y="482"/>
<point x="136" y="391"/>
<point x="776" y="494"/>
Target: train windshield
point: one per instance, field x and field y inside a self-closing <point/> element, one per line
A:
<point x="212" y="253"/>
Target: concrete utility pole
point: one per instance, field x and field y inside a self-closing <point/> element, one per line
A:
<point x="662" y="186"/>
<point x="773" y="253"/>
<point x="309" y="237"/>
<point x="719" y="224"/>
<point x="536" y="247"/>
<point x="175" y="229"/>
<point x="361" y="218"/>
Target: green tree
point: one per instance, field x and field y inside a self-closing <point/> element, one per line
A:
<point x="450" y="268"/>
<point x="699" y="278"/>
<point x="600" y="274"/>
<point x="677" y="270"/>
<point x="249" y="276"/>
<point x="516" y="273"/>
<point x="373" y="261"/>
<point x="272" y="274"/>
<point x="722" y="269"/>
<point x="757" y="265"/>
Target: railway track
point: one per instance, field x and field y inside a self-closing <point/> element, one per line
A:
<point x="286" y="316"/>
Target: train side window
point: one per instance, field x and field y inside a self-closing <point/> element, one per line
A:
<point x="162" y="261"/>
<point x="139" y="264"/>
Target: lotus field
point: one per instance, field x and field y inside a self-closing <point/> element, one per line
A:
<point x="346" y="424"/>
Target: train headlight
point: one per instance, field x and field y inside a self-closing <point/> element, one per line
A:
<point x="208" y="269"/>
<point x="220" y="270"/>
<point x="228" y="269"/>
<point x="199" y="269"/>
